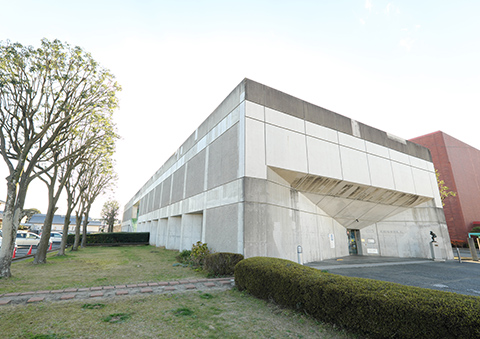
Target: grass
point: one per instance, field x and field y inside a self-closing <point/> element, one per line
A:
<point x="196" y="314"/>
<point x="97" y="266"/>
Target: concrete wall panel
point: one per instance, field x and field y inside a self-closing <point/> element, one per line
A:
<point x="230" y="193"/>
<point x="255" y="163"/>
<point x="255" y="238"/>
<point x="403" y="177"/>
<point x="321" y="132"/>
<point x="422" y="183"/>
<point x="399" y="157"/>
<point x="352" y="142"/>
<point x="355" y="166"/>
<point x="381" y="172"/>
<point x="223" y="158"/>
<point x="178" y="182"/>
<point x="162" y="232"/>
<point x="153" y="232"/>
<point x="284" y="120"/>
<point x="221" y="228"/>
<point x="324" y="158"/>
<point x="191" y="230"/>
<point x="286" y="149"/>
<point x="166" y="190"/>
<point x="174" y="230"/>
<point x="255" y="111"/>
<point x="157" y="198"/>
<point x="195" y="176"/>
<point x="377" y="150"/>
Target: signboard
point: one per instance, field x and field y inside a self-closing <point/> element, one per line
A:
<point x="331" y="237"/>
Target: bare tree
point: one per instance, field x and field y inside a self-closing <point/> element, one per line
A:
<point x="43" y="93"/>
<point x="97" y="180"/>
<point x="93" y="138"/>
<point x="74" y="192"/>
<point x="110" y="213"/>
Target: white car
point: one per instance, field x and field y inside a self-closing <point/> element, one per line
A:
<point x="28" y="239"/>
<point x="56" y="237"/>
<point x="1" y="242"/>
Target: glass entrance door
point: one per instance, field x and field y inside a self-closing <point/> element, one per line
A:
<point x="353" y="239"/>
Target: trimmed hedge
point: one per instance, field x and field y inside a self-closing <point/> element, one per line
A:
<point x="221" y="263"/>
<point x="114" y="238"/>
<point x="380" y="309"/>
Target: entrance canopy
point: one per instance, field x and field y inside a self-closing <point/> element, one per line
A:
<point x="352" y="205"/>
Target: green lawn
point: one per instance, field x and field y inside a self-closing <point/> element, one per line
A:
<point x="196" y="314"/>
<point x="97" y="266"/>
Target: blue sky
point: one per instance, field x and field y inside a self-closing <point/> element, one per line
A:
<point x="405" y="67"/>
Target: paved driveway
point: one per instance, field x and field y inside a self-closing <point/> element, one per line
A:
<point x="450" y="276"/>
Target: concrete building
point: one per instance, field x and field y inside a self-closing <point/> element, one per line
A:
<point x="267" y="172"/>
<point x="459" y="166"/>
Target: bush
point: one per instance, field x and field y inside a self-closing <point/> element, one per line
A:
<point x="380" y="309"/>
<point x="199" y="252"/>
<point x="461" y="244"/>
<point x="114" y="238"/>
<point x="184" y="256"/>
<point x="221" y="263"/>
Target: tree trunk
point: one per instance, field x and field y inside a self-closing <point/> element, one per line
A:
<point x="11" y="220"/>
<point x="66" y="225"/>
<point x="44" y="244"/>
<point x="77" y="232"/>
<point x="85" y="223"/>
<point x="9" y="231"/>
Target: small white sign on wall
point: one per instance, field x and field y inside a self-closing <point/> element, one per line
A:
<point x="332" y="240"/>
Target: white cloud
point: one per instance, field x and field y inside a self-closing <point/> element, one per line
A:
<point x="362" y="21"/>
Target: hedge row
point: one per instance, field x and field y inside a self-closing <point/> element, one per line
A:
<point x="380" y="309"/>
<point x="114" y="238"/>
<point x="221" y="263"/>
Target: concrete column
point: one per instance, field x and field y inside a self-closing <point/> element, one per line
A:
<point x="473" y="250"/>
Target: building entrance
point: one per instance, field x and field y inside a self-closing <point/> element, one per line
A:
<point x="353" y="241"/>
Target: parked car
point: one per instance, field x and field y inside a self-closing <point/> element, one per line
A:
<point x="28" y="238"/>
<point x="55" y="237"/>
<point x="1" y="241"/>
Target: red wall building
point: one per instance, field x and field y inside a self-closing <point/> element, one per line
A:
<point x="459" y="166"/>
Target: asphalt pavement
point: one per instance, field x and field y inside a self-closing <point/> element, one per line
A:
<point x="23" y="250"/>
<point x="450" y="276"/>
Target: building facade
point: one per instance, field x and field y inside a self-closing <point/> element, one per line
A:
<point x="266" y="173"/>
<point x="459" y="166"/>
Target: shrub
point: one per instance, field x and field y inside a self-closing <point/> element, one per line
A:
<point x="199" y="252"/>
<point x="184" y="256"/>
<point x="461" y="244"/>
<point x="114" y="238"/>
<point x="380" y="309"/>
<point x="221" y="263"/>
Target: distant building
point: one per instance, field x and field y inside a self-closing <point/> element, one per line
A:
<point x="37" y="220"/>
<point x="459" y="166"/>
<point x="267" y="174"/>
